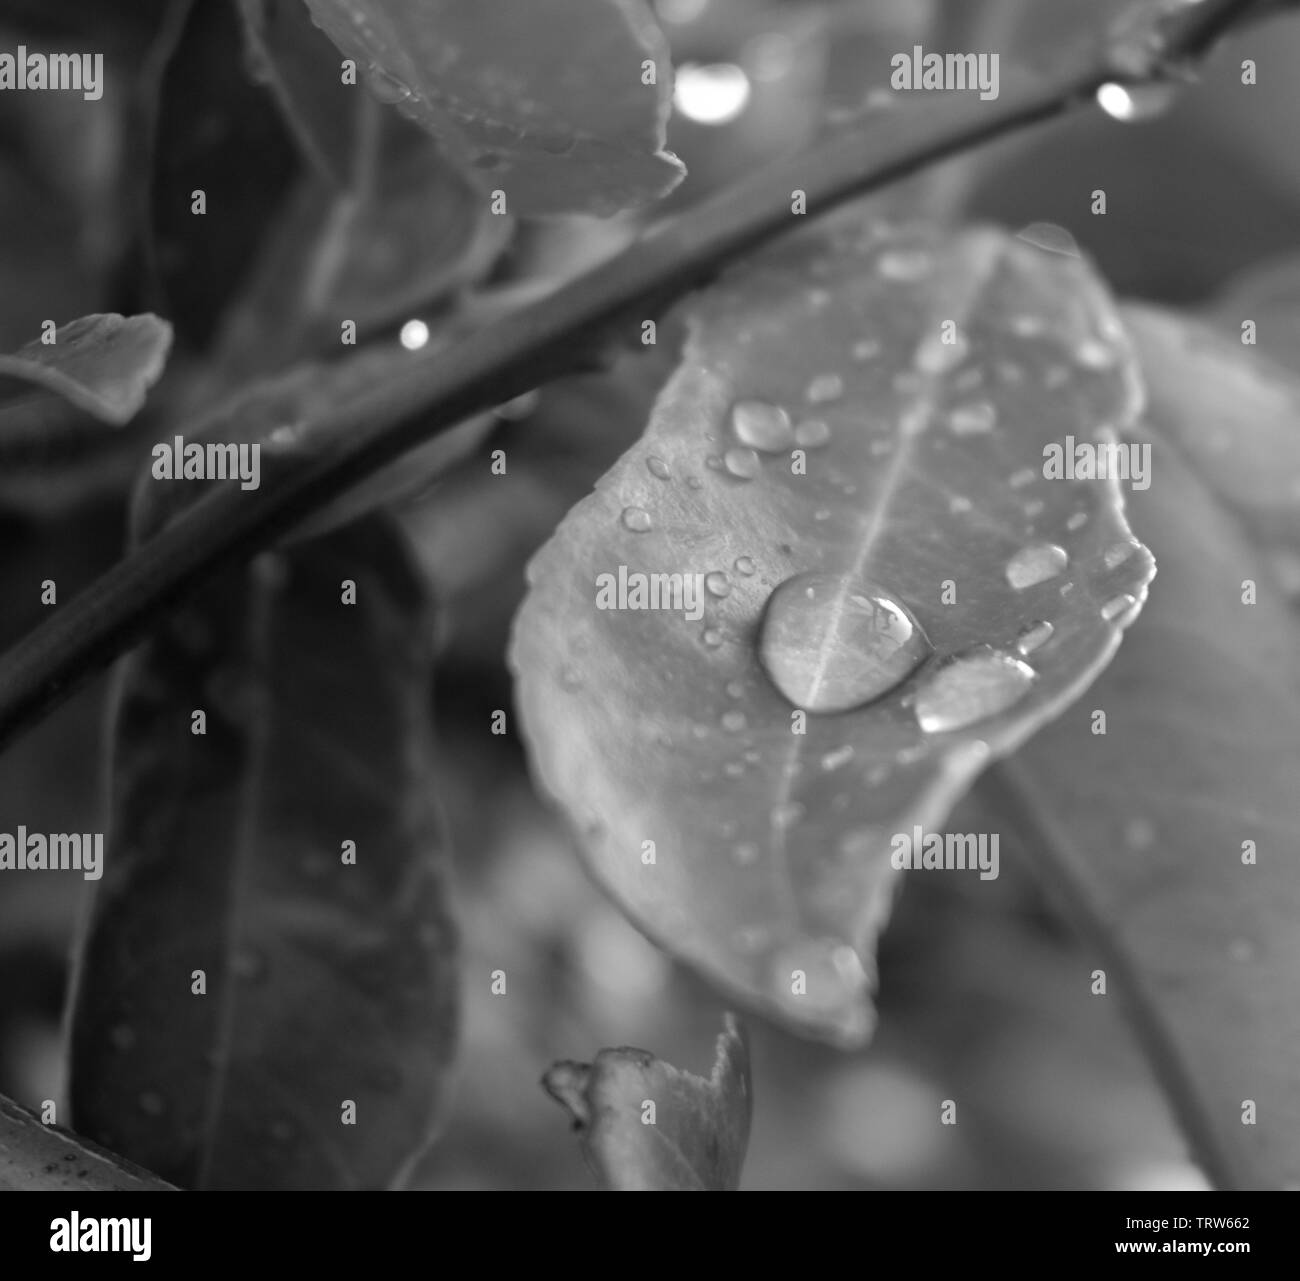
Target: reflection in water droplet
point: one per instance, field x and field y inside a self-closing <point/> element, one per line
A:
<point x="762" y="426"/>
<point x="972" y="419"/>
<point x="742" y="463"/>
<point x="975" y="685"/>
<point x="1033" y="636"/>
<point x="830" y="642"/>
<point x="1118" y="605"/>
<point x="717" y="583"/>
<point x="813" y="433"/>
<point x="1036" y="564"/>
<point x="823" y="981"/>
<point x="657" y="467"/>
<point x="744" y="565"/>
<point x="904" y="264"/>
<point x="637" y="519"/>
<point x="824" y="387"/>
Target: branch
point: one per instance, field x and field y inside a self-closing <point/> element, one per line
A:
<point x="546" y="339"/>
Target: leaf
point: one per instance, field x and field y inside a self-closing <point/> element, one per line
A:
<point x="771" y="846"/>
<point x="325" y="981"/>
<point x="1269" y="295"/>
<point x="1144" y="829"/>
<point x="42" y="1158"/>
<point x="545" y="100"/>
<point x="301" y="68"/>
<point x="697" y="1140"/>
<point x="102" y="364"/>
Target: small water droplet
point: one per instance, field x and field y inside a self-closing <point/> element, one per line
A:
<point x="694" y="482"/>
<point x="733" y="721"/>
<point x="1036" y="564"/>
<point x="877" y="775"/>
<point x="735" y="689"/>
<point x="958" y="504"/>
<point x="1093" y="354"/>
<point x="712" y="637"/>
<point x="839" y="757"/>
<point x="934" y="356"/>
<point x="1010" y="372"/>
<point x="1117" y="554"/>
<point x="1033" y="636"/>
<point x="973" y="419"/>
<point x="1118" y="605"/>
<point x="1139" y="834"/>
<point x="786" y="815"/>
<point x="744" y="565"/>
<point x="657" y="467"/>
<point x="746" y="853"/>
<point x="762" y="426"/>
<point x="744" y="464"/>
<point x="823" y="388"/>
<point x="151" y="1103"/>
<point x="823" y="981"/>
<point x="904" y="264"/>
<point x="867" y="349"/>
<point x="830" y="643"/>
<point x="637" y="519"/>
<point x="972" y="687"/>
<point x="733" y="769"/>
<point x="1026" y="326"/>
<point x="812" y="433"/>
<point x="1134" y="103"/>
<point x="1077" y="521"/>
<point x="717" y="583"/>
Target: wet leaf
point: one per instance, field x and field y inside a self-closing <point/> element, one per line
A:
<point x="546" y="101"/>
<point x="103" y="365"/>
<point x="750" y="836"/>
<point x="700" y="1129"/>
<point x="326" y="981"/>
<point x="42" y="1158"/>
<point x="1146" y="827"/>
<point x="1269" y="295"/>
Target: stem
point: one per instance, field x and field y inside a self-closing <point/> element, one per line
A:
<point x="546" y="339"/>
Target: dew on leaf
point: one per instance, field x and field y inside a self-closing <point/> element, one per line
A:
<point x="637" y="519"/>
<point x="744" y="565"/>
<point x="839" y="757"/>
<point x="831" y="642"/>
<point x="1032" y="636"/>
<point x="744" y="464"/>
<point x="733" y="721"/>
<point x="971" y="687"/>
<point x="657" y="467"/>
<point x="761" y="425"/>
<point x="717" y="583"/>
<point x="1036" y="564"/>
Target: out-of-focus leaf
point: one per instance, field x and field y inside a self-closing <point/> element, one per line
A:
<point x="326" y="981"/>
<point x="42" y="1158"/>
<point x="1233" y="413"/>
<point x="220" y="134"/>
<point x="1268" y="294"/>
<point x="282" y="415"/>
<point x="695" y="1138"/>
<point x="103" y="364"/>
<point x="291" y="56"/>
<point x="755" y="846"/>
<point x="547" y="100"/>
<point x="1148" y="825"/>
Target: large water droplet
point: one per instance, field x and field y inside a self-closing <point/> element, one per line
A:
<point x="1036" y="564"/>
<point x="637" y="519"/>
<point x="975" y="685"/>
<point x="762" y="426"/>
<point x="830" y="642"/>
<point x="823" y="982"/>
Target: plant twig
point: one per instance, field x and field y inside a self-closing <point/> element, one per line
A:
<point x="548" y="338"/>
